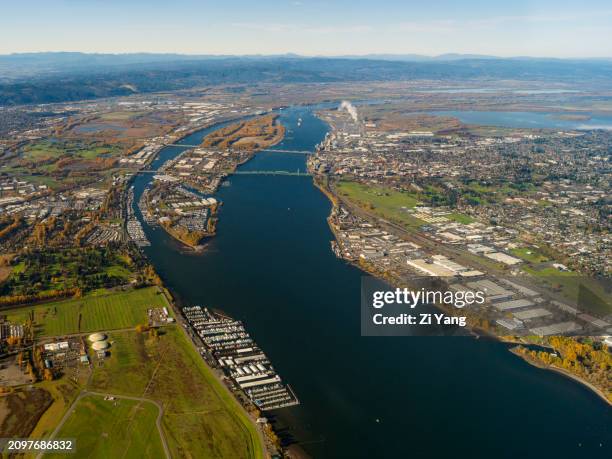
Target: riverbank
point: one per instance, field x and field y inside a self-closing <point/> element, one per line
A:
<point x="192" y="239"/>
<point x="267" y="435"/>
<point x="253" y="134"/>
<point x="182" y="323"/>
<point x="180" y="201"/>
<point x="563" y="372"/>
<point x="478" y="326"/>
<point x="189" y="239"/>
<point x="306" y="294"/>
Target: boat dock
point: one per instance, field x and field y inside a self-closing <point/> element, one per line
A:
<point x="133" y="225"/>
<point x="144" y="210"/>
<point x="242" y="361"/>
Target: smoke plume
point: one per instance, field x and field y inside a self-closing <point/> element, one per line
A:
<point x="350" y="108"/>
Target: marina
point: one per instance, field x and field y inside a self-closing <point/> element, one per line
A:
<point x="229" y="347"/>
<point x="272" y="269"/>
<point x="133" y="225"/>
<point x="147" y="216"/>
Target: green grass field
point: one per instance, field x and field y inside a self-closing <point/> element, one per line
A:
<point x="46" y="150"/>
<point x="50" y="182"/>
<point x="19" y="268"/>
<point x="385" y="202"/>
<point x="550" y="272"/>
<point x="460" y="218"/>
<point x="97" y="312"/>
<point x="200" y="416"/>
<point x="42" y="150"/>
<point x="119" y="428"/>
<point x="118" y="271"/>
<point x="492" y="193"/>
<point x="530" y="254"/>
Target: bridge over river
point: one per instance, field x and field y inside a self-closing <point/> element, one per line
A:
<point x="239" y="172"/>
<point x="295" y="152"/>
<point x="260" y="172"/>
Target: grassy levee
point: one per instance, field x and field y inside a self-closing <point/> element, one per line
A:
<point x="201" y="418"/>
<point x="91" y="313"/>
<point x="117" y="428"/>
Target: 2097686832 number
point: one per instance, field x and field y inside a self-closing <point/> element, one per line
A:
<point x="13" y="445"/>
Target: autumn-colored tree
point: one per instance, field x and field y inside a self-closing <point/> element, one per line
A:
<point x="48" y="375"/>
<point x="13" y="340"/>
<point x="30" y="371"/>
<point x="9" y="229"/>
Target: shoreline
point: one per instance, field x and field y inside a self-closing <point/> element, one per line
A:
<point x="177" y="303"/>
<point x="565" y="373"/>
<point x="194" y="248"/>
<point x="199" y="249"/>
<point x="474" y="331"/>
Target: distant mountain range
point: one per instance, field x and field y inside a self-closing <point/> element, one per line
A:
<point x="459" y="57"/>
<point x="18" y="63"/>
<point x="418" y="57"/>
<point x="56" y="77"/>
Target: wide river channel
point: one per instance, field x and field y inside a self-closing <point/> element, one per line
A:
<point x="271" y="266"/>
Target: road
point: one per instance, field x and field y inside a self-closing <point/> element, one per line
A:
<point x="433" y="246"/>
<point x="86" y="393"/>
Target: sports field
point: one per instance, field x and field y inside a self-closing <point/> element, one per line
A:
<point x="91" y="313"/>
<point x="113" y="428"/>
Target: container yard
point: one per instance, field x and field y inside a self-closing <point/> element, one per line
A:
<point x="233" y="350"/>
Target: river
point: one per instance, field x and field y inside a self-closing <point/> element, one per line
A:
<point x="532" y="120"/>
<point x="271" y="266"/>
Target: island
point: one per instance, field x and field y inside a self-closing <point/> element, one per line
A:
<point x="179" y="199"/>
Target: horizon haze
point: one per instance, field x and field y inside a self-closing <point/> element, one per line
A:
<point x="537" y="28"/>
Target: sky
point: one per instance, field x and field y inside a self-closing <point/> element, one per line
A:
<point x="543" y="28"/>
